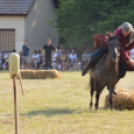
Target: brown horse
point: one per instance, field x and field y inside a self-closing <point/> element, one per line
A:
<point x="106" y="72"/>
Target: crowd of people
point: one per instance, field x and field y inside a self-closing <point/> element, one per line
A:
<point x="53" y="58"/>
<point x="60" y="58"/>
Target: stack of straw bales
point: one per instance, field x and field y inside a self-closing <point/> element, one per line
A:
<point x="124" y="99"/>
<point x="24" y="74"/>
<point x="39" y="74"/>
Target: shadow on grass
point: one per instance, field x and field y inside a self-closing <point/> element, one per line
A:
<point x="52" y="112"/>
<point x="49" y="112"/>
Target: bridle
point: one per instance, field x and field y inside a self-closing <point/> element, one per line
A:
<point x="114" y="38"/>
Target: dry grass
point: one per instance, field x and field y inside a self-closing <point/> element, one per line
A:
<point x="60" y="106"/>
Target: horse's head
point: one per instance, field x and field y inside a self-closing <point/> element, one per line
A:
<point x="114" y="47"/>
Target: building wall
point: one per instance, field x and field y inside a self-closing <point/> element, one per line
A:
<point x="37" y="30"/>
<point x="17" y="23"/>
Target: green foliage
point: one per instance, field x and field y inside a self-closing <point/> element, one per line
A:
<point x="78" y="20"/>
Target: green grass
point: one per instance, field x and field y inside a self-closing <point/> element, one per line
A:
<point x="61" y="106"/>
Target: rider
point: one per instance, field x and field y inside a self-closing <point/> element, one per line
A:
<point x="125" y="33"/>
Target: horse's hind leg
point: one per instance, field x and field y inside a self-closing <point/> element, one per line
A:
<point x="98" y="92"/>
<point x="91" y="91"/>
<point x="97" y="100"/>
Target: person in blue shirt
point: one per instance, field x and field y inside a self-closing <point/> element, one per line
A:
<point x="25" y="54"/>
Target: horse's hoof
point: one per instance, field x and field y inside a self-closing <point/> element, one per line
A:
<point x="112" y="110"/>
<point x="115" y="93"/>
<point x="90" y="108"/>
<point x="97" y="109"/>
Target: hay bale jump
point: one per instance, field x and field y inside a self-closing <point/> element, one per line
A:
<point x="24" y="74"/>
<point x="39" y="74"/>
<point x="31" y="74"/>
<point x="124" y="99"/>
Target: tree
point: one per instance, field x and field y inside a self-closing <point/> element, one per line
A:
<point x="78" y="20"/>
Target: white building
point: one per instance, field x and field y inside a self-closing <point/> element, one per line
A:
<point x="20" y="19"/>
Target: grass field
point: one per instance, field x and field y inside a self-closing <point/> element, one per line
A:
<point x="61" y="106"/>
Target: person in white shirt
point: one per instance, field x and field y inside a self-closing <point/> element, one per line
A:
<point x="54" y="58"/>
<point x="132" y="54"/>
<point x="73" y="56"/>
<point x="36" y="59"/>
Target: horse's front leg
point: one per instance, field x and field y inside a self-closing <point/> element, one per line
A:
<point x="91" y="91"/>
<point x="111" y="89"/>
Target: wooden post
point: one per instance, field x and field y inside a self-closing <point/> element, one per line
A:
<point x="15" y="107"/>
<point x="21" y="84"/>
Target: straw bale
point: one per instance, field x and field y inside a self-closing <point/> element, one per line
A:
<point x="39" y="74"/>
<point x="124" y="99"/>
<point x="51" y="74"/>
<point x="31" y="74"/>
<point x="24" y="74"/>
<point x="57" y="74"/>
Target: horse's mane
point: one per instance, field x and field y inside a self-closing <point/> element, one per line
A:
<point x="113" y="38"/>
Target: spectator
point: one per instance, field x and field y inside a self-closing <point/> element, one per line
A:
<point x="54" y="58"/>
<point x="63" y="60"/>
<point x="85" y="57"/>
<point x="59" y="53"/>
<point x="67" y="54"/>
<point x="40" y="57"/>
<point x="36" y="59"/>
<point x="25" y="54"/>
<point x="69" y="64"/>
<point x="79" y="64"/>
<point x="73" y="56"/>
<point x="43" y="64"/>
<point x="20" y="59"/>
<point x="59" y="65"/>
<point x="14" y="51"/>
<point x="48" y="53"/>
<point x="2" y="59"/>
<point x="6" y="64"/>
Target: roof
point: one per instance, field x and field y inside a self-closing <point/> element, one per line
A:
<point x="15" y="7"/>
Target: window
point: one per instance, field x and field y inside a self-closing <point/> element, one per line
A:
<point x="7" y="39"/>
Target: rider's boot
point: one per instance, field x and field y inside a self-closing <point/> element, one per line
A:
<point x="94" y="59"/>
